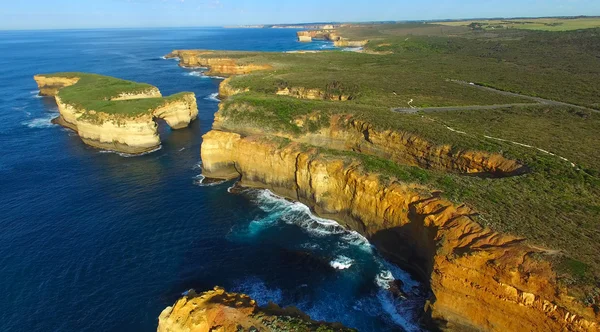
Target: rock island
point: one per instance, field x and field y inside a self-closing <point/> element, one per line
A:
<point x="115" y="114"/>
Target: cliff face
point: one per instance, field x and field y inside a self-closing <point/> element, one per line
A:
<point x="226" y="90"/>
<point x="179" y="113"/>
<point x="313" y="94"/>
<point x="350" y="43"/>
<point x="480" y="279"/>
<point x="331" y="35"/>
<point x="349" y="134"/>
<point x="218" y="310"/>
<point x="49" y="86"/>
<point x="217" y="66"/>
<point x="150" y="93"/>
<point x="118" y="132"/>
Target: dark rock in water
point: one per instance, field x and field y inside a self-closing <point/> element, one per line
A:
<point x="236" y="188"/>
<point x="396" y="289"/>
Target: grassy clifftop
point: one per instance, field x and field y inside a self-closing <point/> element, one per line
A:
<point x="555" y="205"/>
<point x="108" y="95"/>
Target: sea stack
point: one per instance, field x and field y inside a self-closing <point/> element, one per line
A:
<point x="115" y="114"/>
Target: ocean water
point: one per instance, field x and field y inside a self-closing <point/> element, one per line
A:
<point x="92" y="240"/>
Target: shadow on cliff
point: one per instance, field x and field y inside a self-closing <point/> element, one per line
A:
<point x="412" y="246"/>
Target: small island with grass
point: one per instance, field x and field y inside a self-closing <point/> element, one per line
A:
<point x="115" y="114"/>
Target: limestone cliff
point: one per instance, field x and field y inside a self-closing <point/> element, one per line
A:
<point x="349" y="134"/>
<point x="331" y="35"/>
<point x="350" y="43"/>
<point x="129" y="133"/>
<point x="218" y="310"/>
<point x="216" y="65"/>
<point x="49" y="86"/>
<point x="480" y="280"/>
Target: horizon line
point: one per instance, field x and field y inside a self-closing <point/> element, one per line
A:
<point x="263" y="25"/>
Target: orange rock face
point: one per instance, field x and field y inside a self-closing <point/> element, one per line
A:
<point x="217" y="66"/>
<point x="218" y="310"/>
<point x="480" y="279"/>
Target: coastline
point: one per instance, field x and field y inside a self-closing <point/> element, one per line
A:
<point x="227" y="164"/>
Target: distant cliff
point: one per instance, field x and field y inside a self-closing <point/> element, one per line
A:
<point x="122" y="121"/>
<point x="330" y="35"/>
<point x="217" y="65"/>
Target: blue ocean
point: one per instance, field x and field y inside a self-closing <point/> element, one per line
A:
<point x="91" y="240"/>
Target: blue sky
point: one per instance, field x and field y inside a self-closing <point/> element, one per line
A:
<point x="57" y="14"/>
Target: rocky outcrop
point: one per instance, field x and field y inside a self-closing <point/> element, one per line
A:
<point x="178" y="113"/>
<point x="217" y="65"/>
<point x="312" y="94"/>
<point x="150" y="93"/>
<point x="49" y="86"/>
<point x="128" y="133"/>
<point x="226" y="90"/>
<point x="480" y="280"/>
<point x="218" y="310"/>
<point x="350" y="43"/>
<point x="309" y="35"/>
<point x="331" y="35"/>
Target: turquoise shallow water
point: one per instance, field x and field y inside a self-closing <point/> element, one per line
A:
<point x="95" y="241"/>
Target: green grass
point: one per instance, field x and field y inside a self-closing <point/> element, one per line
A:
<point x="554" y="205"/>
<point x="546" y="24"/>
<point x="93" y="93"/>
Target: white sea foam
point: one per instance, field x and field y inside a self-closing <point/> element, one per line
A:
<point x="44" y="122"/>
<point x="213" y="97"/>
<point x="299" y="214"/>
<point x="400" y="314"/>
<point x="36" y="94"/>
<point x="195" y="73"/>
<point x="199" y="181"/>
<point x="129" y="155"/>
<point x="341" y="262"/>
<point x="197" y="166"/>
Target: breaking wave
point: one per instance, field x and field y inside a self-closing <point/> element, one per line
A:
<point x="199" y="181"/>
<point x="129" y="155"/>
<point x="341" y="262"/>
<point x="44" y="122"/>
<point x="213" y="97"/>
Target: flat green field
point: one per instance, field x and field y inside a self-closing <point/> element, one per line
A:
<point x="546" y="24"/>
<point x="555" y="205"/>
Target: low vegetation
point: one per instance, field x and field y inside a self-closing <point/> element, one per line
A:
<point x="94" y="93"/>
<point x="555" y="205"/>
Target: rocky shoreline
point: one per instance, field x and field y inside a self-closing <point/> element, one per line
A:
<point x="480" y="279"/>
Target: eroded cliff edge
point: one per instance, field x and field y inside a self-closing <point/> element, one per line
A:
<point x="114" y="114"/>
<point x="217" y="310"/>
<point x="318" y="153"/>
<point x="480" y="279"/>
